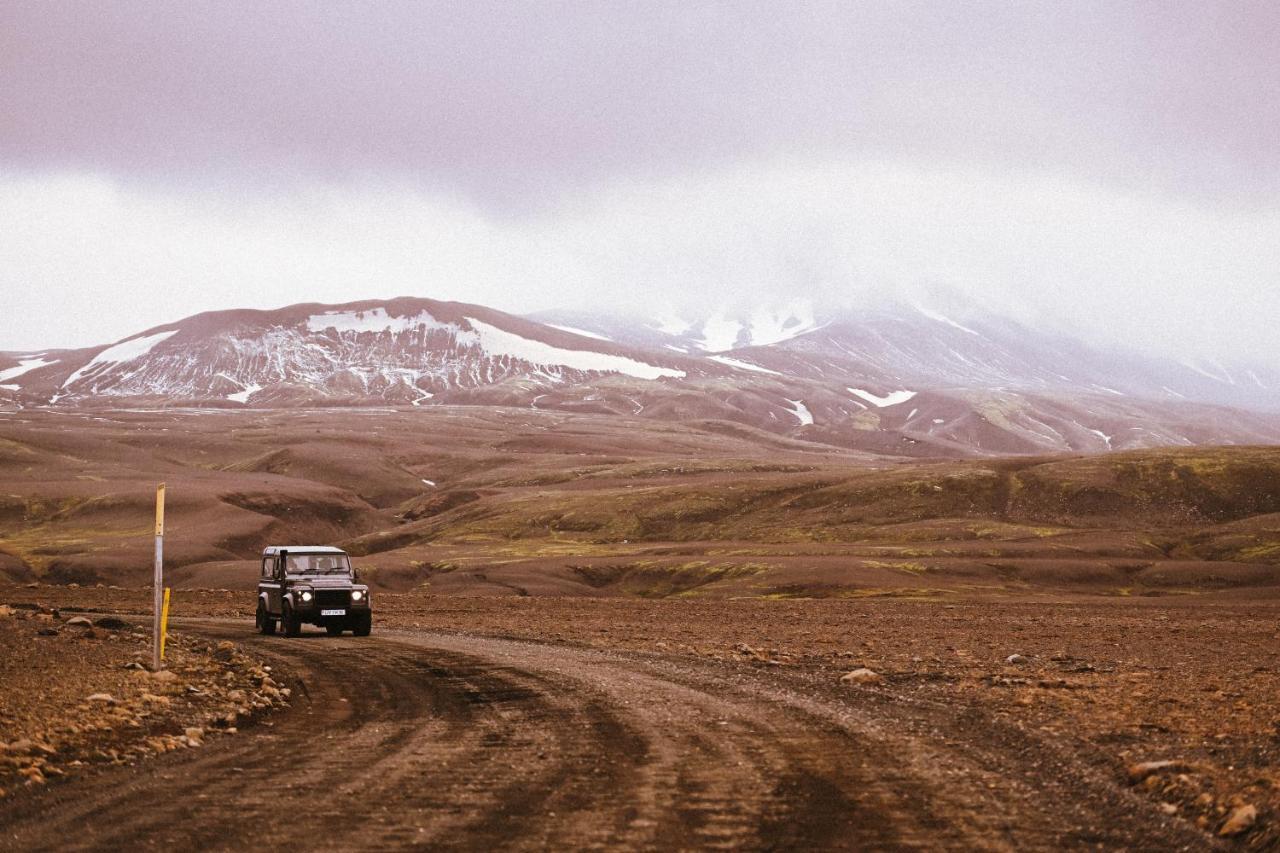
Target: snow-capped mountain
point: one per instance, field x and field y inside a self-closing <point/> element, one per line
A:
<point x="902" y="379"/>
<point x="721" y="331"/>
<point x="901" y="346"/>
<point x="400" y="351"/>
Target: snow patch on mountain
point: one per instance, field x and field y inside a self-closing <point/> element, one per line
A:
<point x="375" y="320"/>
<point x="582" y="332"/>
<point x="670" y="324"/>
<point x="741" y="365"/>
<point x="25" y="365"/>
<point x="774" y="327"/>
<point x="942" y="318"/>
<point x="496" y="341"/>
<point x="121" y="353"/>
<point x="244" y="395"/>
<point x="720" y="333"/>
<point x="801" y="411"/>
<point x="1221" y="375"/>
<point x="893" y="398"/>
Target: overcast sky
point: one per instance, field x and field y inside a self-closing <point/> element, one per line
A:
<point x="1112" y="168"/>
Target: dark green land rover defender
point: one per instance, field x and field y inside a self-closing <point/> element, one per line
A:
<point x="312" y="584"/>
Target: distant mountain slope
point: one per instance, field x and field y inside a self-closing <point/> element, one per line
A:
<point x="897" y="380"/>
<point x="402" y="351"/>
<point x="897" y="347"/>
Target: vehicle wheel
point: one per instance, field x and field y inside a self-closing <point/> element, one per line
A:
<point x="363" y="626"/>
<point x="333" y="630"/>
<point x="292" y="625"/>
<point x="264" y="623"/>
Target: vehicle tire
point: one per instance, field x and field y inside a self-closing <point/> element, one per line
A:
<point x="333" y="630"/>
<point x="264" y="623"/>
<point x="363" y="625"/>
<point x="290" y="622"/>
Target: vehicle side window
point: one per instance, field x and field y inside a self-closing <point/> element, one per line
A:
<point x="266" y="567"/>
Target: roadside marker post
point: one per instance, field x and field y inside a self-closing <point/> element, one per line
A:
<point x="157" y="636"/>
<point x="164" y="622"/>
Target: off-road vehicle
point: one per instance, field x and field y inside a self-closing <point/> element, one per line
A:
<point x="312" y="584"/>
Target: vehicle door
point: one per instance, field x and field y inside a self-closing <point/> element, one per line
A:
<point x="270" y="583"/>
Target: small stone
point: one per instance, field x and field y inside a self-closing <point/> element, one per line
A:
<point x="133" y="664"/>
<point x="224" y="651"/>
<point x="102" y="697"/>
<point x="1146" y="769"/>
<point x="163" y="675"/>
<point x="6" y="612"/>
<point x="1168" y="808"/>
<point x="21" y="747"/>
<point x="79" y="622"/>
<point x="1240" y="821"/>
<point x="111" y="623"/>
<point x="1017" y="660"/>
<point x="861" y="675"/>
<point x="48" y="632"/>
<point x="194" y="733"/>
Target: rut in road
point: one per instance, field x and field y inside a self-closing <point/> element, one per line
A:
<point x="458" y="742"/>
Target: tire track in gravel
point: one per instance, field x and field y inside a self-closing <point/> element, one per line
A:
<point x="412" y="740"/>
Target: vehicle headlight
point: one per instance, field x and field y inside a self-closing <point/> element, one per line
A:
<point x="306" y="596"/>
<point x="357" y="595"/>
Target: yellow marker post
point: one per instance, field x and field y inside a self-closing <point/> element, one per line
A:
<point x="157" y="641"/>
<point x="164" y="622"/>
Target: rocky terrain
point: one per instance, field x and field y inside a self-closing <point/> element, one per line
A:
<point x="1005" y="722"/>
<point x="78" y="693"/>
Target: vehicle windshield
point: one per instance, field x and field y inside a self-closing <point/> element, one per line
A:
<point x="319" y="564"/>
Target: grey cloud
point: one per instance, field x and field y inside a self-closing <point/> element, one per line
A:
<point x="511" y="103"/>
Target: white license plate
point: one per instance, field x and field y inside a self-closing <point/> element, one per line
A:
<point x="333" y="613"/>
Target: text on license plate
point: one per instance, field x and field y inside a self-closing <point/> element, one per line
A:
<point x="333" y="613"/>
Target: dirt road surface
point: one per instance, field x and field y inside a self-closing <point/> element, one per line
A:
<point x="412" y="739"/>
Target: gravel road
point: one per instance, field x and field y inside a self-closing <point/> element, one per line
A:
<point x="412" y="739"/>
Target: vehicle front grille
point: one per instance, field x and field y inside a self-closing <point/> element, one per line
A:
<point x="326" y="598"/>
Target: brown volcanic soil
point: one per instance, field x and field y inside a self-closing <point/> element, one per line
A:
<point x="520" y="502"/>
<point x="599" y="632"/>
<point x="956" y="747"/>
<point x="76" y="696"/>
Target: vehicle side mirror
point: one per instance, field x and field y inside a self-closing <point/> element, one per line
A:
<point x="355" y="573"/>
